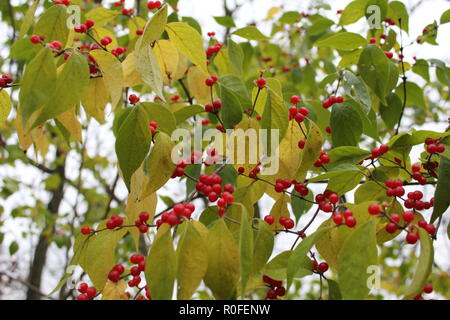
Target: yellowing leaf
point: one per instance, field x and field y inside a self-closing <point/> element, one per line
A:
<point x="5" y="106"/>
<point x="189" y="42"/>
<point x="160" y="266"/>
<point x="53" y="24"/>
<point x="148" y="68"/>
<point x="40" y="141"/>
<point x="99" y="33"/>
<point x="197" y="87"/>
<point x="28" y="19"/>
<point x="70" y="122"/>
<point x="154" y="28"/>
<point x="167" y="55"/>
<point x="115" y="291"/>
<point x="101" y="15"/>
<point x="192" y="257"/>
<point x="280" y="209"/>
<point x="24" y="137"/>
<point x="223" y="262"/>
<point x="131" y="76"/>
<point x="311" y="151"/>
<point x="158" y="166"/>
<point x="112" y="74"/>
<point x="95" y="98"/>
<point x="272" y="12"/>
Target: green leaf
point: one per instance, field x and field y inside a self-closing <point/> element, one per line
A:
<point x="358" y="253"/>
<point x="399" y="12"/>
<point x="161" y="265"/>
<point x="5" y="106"/>
<point x="160" y="114"/>
<point x="38" y="83"/>
<point x="343" y="157"/>
<point x="355" y="88"/>
<point x="354" y="11"/>
<point x="334" y="292"/>
<point x="132" y="142"/>
<point x="97" y="254"/>
<point x="276" y="114"/>
<point x="377" y="71"/>
<point x="13" y="248"/>
<point x="70" y="85"/>
<point x="299" y="254"/>
<point x="290" y="17"/>
<point x="345" y="182"/>
<point x="414" y="94"/>
<point x="343" y="41"/>
<point x="424" y="265"/>
<point x="112" y="74"/>
<point x="263" y="247"/>
<point x="223" y="262"/>
<point x="225" y="21"/>
<point x="158" y="166"/>
<point x="346" y="125"/>
<point x="250" y="33"/>
<point x="381" y="9"/>
<point x="445" y="17"/>
<point x="422" y="68"/>
<point x="192" y="259"/>
<point x="245" y="249"/>
<point x="236" y="85"/>
<point x="189" y="42"/>
<point x="231" y="108"/>
<point x="276" y="268"/>
<point x="441" y="197"/>
<point x="370" y="191"/>
<point x="300" y="206"/>
<point x="185" y="113"/>
<point x="53" y="25"/>
<point x="154" y="28"/>
<point x="390" y="113"/>
<point x="28" y="20"/>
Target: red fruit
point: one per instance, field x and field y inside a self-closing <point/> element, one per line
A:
<point x="113" y="276"/>
<point x="212" y="197"/>
<point x="304" y="111"/>
<point x="395" y="217"/>
<point x="133" y="99"/>
<point x="295" y="99"/>
<point x="334" y="198"/>
<point x="338" y="219"/>
<point x="228" y="188"/>
<point x="389" y="55"/>
<point x="440" y="148"/>
<point x="301" y="144"/>
<point x="241" y="170"/>
<point x="261" y="82"/>
<point x="110" y="224"/>
<point x="105" y="41"/>
<point x="82" y="28"/>
<point x="376" y="153"/>
<point x="322" y="267"/>
<point x="269" y="219"/>
<point x="119" y="268"/>
<point x="280" y="291"/>
<point x="428" y="288"/>
<point x="279" y="188"/>
<point x="373" y="40"/>
<point x="271" y="295"/>
<point x="432" y="149"/>
<point x="299" y="117"/>
<point x="374" y="209"/>
<point x="35" y="39"/>
<point x="391" y="227"/>
<point x="209" y="82"/>
<point x="412" y="238"/>
<point x="293" y="111"/>
<point x="348" y="213"/>
<point x="56" y="45"/>
<point x="350" y="221"/>
<point x="289" y="223"/>
<point x="135" y="271"/>
<point x="85" y="230"/>
<point x="408" y="216"/>
<point x="136" y="258"/>
<point x="91" y="292"/>
<point x="383" y="148"/>
<point x="82" y="288"/>
<point x="228" y="197"/>
<point x="172" y="220"/>
<point x="431" y="229"/>
<point x="144" y="216"/>
<point x="209" y="108"/>
<point x="83" y="296"/>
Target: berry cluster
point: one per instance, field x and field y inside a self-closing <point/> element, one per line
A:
<point x="332" y="100"/>
<point x="114" y="222"/>
<point x="63" y="2"/>
<point x="319" y="267"/>
<point x="211" y="81"/>
<point x="389" y="21"/>
<point x="414" y="201"/>
<point x="347" y="215"/>
<point x="177" y="215"/>
<point x="211" y="34"/>
<point x="327" y="200"/>
<point x="141" y="223"/>
<point x="214" y="107"/>
<point x="118" y="51"/>
<point x="128" y="12"/>
<point x="254" y="173"/>
<point x="135" y="271"/>
<point x="288" y="223"/>
<point x="211" y="187"/>
<point x="260" y="82"/>
<point x="154" y="5"/>
<point x="433" y="146"/>
<point x="84" y="27"/>
<point x="116" y="272"/>
<point x="106" y="41"/>
<point x="282" y="185"/>
<point x="298" y="114"/>
<point x="179" y="170"/>
<point x="214" y="49"/>
<point x="429" y="227"/>
<point x="5" y="80"/>
<point x="86" y="292"/>
<point x="276" y="288"/>
<point x="323" y="159"/>
<point x="378" y="152"/>
<point x="133" y="99"/>
<point x="395" y="188"/>
<point x="119" y="3"/>
<point x="153" y="126"/>
<point x="55" y="46"/>
<point x="36" y="39"/>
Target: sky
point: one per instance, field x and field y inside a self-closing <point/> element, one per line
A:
<point x="203" y="11"/>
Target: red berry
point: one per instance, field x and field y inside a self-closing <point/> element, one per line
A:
<point x="261" y="82"/>
<point x="289" y="224"/>
<point x="322" y="267"/>
<point x="269" y="219"/>
<point x="82" y="288"/>
<point x="428" y="288"/>
<point x="295" y="99"/>
<point x="271" y="295"/>
<point x="301" y="144"/>
<point x="114" y="276"/>
<point x="350" y="221"/>
<point x="280" y="291"/>
<point x="83" y="296"/>
<point x="334" y="198"/>
<point x="91" y="292"/>
<point x="35" y="39"/>
<point x="408" y="216"/>
<point x="85" y="230"/>
<point x="374" y="209"/>
<point x="119" y="268"/>
<point x="338" y="219"/>
<point x="412" y="238"/>
<point x="431" y="229"/>
<point x="136" y="258"/>
<point x="391" y="227"/>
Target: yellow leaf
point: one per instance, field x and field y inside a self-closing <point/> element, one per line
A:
<point x="95" y="99"/>
<point x="223" y="62"/>
<point x="167" y="55"/>
<point x="311" y="151"/>
<point x="134" y="24"/>
<point x="112" y="74"/>
<point x="148" y="68"/>
<point x="99" y="33"/>
<point x="115" y="291"/>
<point x="262" y="99"/>
<point x="70" y="122"/>
<point x="25" y="140"/>
<point x="280" y="209"/>
<point x="131" y="76"/>
<point x="101" y="16"/>
<point x="197" y="87"/>
<point x="154" y="28"/>
<point x="192" y="259"/>
<point x="223" y="271"/>
<point x="5" y="106"/>
<point x="272" y="12"/>
<point x="189" y="42"/>
<point x="28" y="20"/>
<point x="40" y="141"/>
